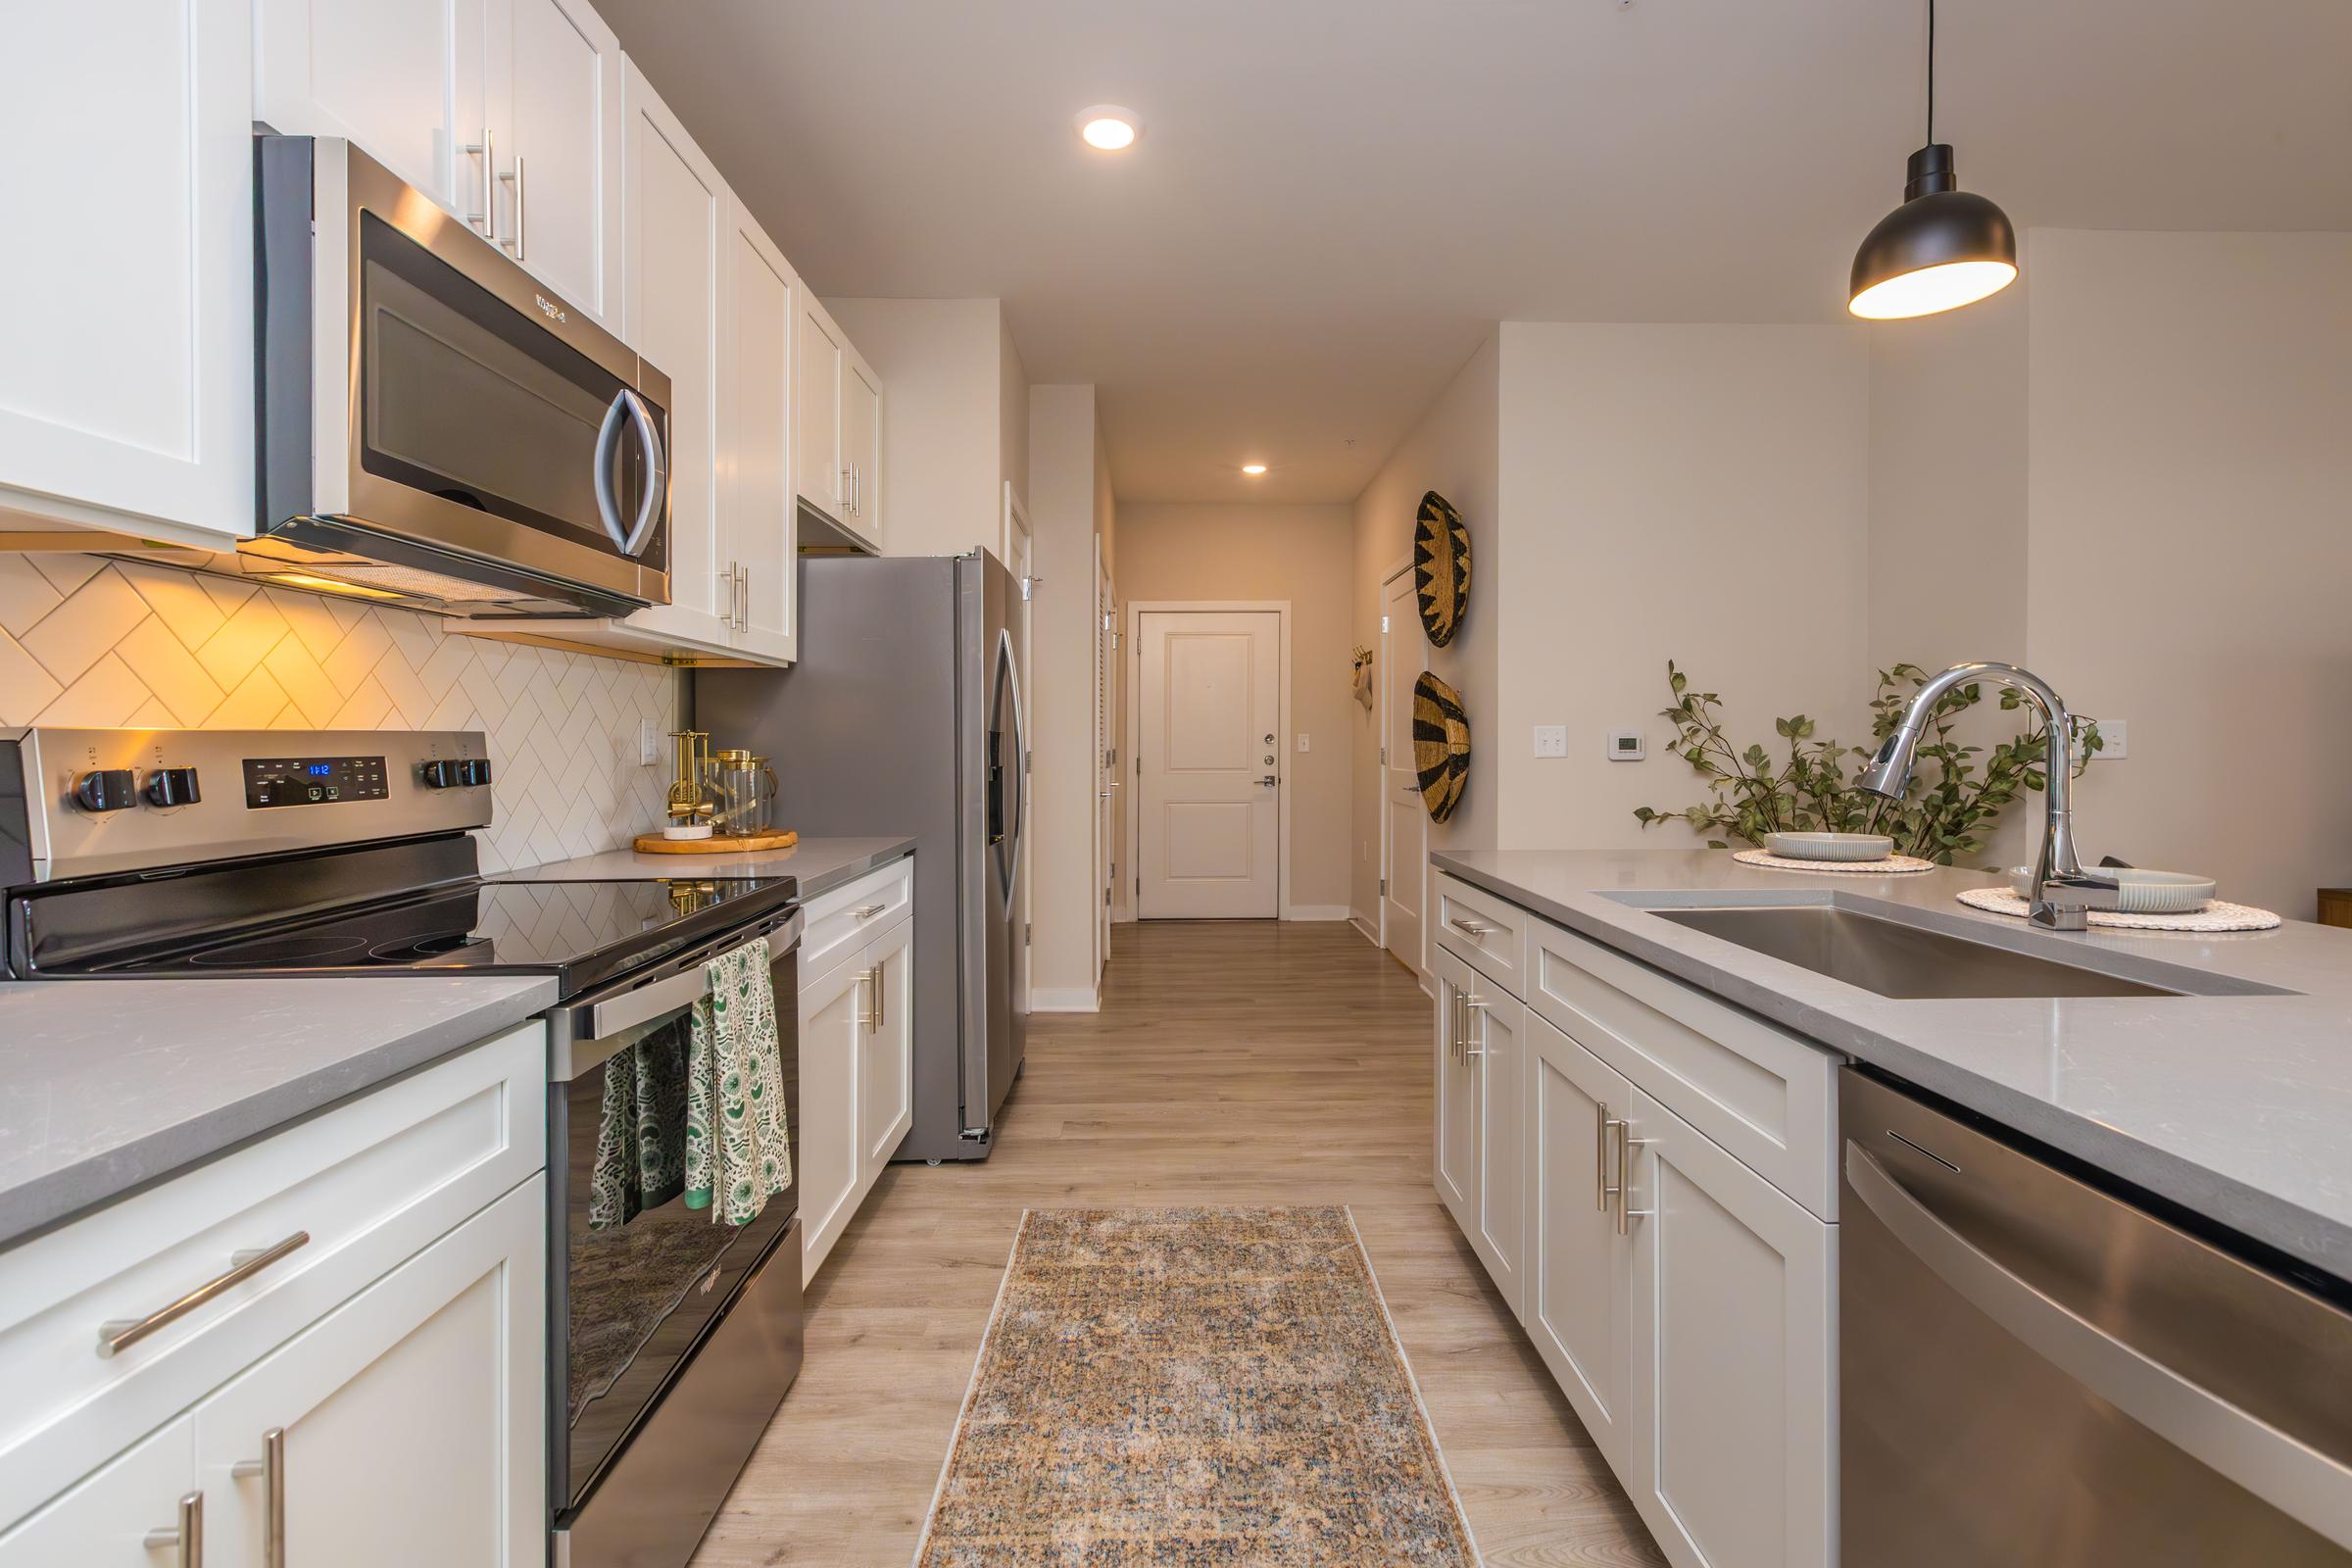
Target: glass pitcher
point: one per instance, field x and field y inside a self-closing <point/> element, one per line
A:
<point x="743" y="788"/>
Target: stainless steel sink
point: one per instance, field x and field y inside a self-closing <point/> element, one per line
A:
<point x="1896" y="959"/>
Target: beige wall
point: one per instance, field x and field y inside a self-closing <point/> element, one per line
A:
<point x="1175" y="551"/>
<point x="1651" y="477"/>
<point x="2190" y="486"/>
<point x="954" y="419"/>
<point x="1451" y="450"/>
<point x="1064" y="446"/>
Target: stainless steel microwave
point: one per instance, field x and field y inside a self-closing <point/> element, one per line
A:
<point x="436" y="427"/>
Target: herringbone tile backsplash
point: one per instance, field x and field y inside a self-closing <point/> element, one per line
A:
<point x="90" y="642"/>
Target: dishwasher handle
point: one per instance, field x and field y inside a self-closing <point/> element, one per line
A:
<point x="2292" y="1477"/>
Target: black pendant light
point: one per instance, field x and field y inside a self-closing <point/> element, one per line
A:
<point x="1943" y="248"/>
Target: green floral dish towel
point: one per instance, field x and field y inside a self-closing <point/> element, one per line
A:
<point x="738" y="1150"/>
<point x="641" y="1129"/>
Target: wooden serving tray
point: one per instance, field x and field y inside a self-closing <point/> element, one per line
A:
<point x="716" y="844"/>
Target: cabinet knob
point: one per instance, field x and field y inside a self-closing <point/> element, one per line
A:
<point x="107" y="789"/>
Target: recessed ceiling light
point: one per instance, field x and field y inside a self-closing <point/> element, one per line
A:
<point x="1107" y="127"/>
<point x="1254" y="469"/>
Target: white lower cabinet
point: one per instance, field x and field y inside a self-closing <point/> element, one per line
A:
<point x="856" y="1055"/>
<point x="378" y="1383"/>
<point x="1735" y="1344"/>
<point x="108" y="1520"/>
<point x="1578" y="1302"/>
<point x="1481" y="1155"/>
<point x="405" y="1426"/>
<point x="1685" y="1303"/>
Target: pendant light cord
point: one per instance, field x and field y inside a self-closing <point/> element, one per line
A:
<point x="1930" y="72"/>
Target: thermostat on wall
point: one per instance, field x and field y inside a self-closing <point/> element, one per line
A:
<point x="1626" y="746"/>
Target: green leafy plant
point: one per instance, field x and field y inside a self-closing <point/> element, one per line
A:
<point x="1957" y="791"/>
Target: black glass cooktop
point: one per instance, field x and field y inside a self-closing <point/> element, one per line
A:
<point x="581" y="932"/>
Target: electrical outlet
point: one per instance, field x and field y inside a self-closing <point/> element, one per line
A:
<point x="2115" y="742"/>
<point x="1551" y="740"/>
<point x="1302" y="746"/>
<point x="648" y="744"/>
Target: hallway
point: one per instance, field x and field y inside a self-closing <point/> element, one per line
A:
<point x="1242" y="1063"/>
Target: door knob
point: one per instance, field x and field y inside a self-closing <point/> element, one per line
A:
<point x="1269" y="781"/>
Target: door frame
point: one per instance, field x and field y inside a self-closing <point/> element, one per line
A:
<point x="1104" y="771"/>
<point x="1022" y="564"/>
<point x="1136" y="609"/>
<point x="1391" y="639"/>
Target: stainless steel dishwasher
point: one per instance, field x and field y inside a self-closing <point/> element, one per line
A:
<point x="2037" y="1372"/>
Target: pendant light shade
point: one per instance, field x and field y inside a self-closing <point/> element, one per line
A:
<point x="1943" y="248"/>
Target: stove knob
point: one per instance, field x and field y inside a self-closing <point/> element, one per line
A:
<point x="474" y="770"/>
<point x="108" y="789"/>
<point x="440" y="776"/>
<point x="172" y="786"/>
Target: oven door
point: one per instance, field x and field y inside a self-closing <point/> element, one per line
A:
<point x="426" y="403"/>
<point x="637" y="1279"/>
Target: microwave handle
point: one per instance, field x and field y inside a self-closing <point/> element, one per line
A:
<point x="630" y="409"/>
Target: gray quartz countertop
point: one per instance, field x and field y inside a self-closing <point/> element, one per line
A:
<point x="822" y="864"/>
<point x="108" y="1083"/>
<point x="2237" y="1107"/>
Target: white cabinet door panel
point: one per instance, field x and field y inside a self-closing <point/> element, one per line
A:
<point x="1497" y="1052"/>
<point x="757" y="511"/>
<point x="1735" y="1342"/>
<point x="861" y="443"/>
<point x="833" y="1010"/>
<point x="1454" y="1159"/>
<point x="886" y="1055"/>
<point x="103" y="1522"/>
<point x="821" y="474"/>
<point x="412" y="1415"/>
<point x="560" y="148"/>
<point x="1577" y="1306"/>
<point x="126" y="363"/>
<point x="677" y="214"/>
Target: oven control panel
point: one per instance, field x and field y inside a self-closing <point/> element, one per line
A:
<point x="312" y="780"/>
<point x="99" y="802"/>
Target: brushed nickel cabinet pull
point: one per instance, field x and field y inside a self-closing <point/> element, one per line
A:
<point x="120" y="1334"/>
<point x="1469" y="927"/>
<point x="881" y="1005"/>
<point x="1627" y="1143"/>
<point x="271" y="1468"/>
<point x="187" y="1535"/>
<point x="1602" y="1121"/>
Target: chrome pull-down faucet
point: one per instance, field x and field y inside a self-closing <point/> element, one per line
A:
<point x="2063" y="892"/>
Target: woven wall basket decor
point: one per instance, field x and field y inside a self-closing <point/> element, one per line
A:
<point x="1440" y="567"/>
<point x="1440" y="746"/>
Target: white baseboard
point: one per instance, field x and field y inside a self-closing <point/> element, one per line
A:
<point x="1317" y="911"/>
<point x="1364" y="928"/>
<point x="1064" y="998"/>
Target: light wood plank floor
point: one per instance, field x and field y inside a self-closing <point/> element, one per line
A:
<point x="1239" y="1062"/>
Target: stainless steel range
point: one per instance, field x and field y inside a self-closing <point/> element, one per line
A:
<point x="144" y="852"/>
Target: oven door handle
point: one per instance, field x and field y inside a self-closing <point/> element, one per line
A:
<point x="599" y="1018"/>
<point x="594" y="1020"/>
<point x="629" y="408"/>
<point x="2299" y="1481"/>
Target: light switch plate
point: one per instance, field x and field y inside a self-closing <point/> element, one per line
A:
<point x="1626" y="746"/>
<point x="1302" y="746"/>
<point x="2115" y="742"/>
<point x="1551" y="740"/>
<point x="648" y="744"/>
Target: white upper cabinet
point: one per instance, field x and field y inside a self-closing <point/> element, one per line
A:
<point x="506" y="111"/>
<point x="127" y="365"/>
<point x="861" y="443"/>
<point x="558" y="135"/>
<point x="677" y="213"/>
<point x="825" y="475"/>
<point x="405" y="80"/>
<point x="757" y="520"/>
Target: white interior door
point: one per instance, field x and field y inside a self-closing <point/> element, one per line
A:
<point x="1208" y="764"/>
<point x="1404" y="820"/>
<point x="1106" y="759"/>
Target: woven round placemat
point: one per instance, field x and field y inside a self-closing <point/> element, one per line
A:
<point x="2217" y="915"/>
<point x="1893" y="865"/>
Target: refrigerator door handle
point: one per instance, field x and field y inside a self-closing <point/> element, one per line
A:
<point x="1017" y="819"/>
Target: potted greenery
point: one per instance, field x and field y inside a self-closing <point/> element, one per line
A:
<point x="1957" y="791"/>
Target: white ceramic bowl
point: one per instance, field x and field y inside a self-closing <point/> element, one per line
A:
<point x="2142" y="891"/>
<point x="1830" y="845"/>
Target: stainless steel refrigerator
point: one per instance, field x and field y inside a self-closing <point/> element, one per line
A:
<point x="904" y="716"/>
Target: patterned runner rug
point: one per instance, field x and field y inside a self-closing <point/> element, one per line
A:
<point x="1193" y="1387"/>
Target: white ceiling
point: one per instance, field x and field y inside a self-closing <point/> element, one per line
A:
<point x="1333" y="197"/>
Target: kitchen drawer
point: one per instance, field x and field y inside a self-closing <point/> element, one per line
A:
<point x="1767" y="1096"/>
<point x="372" y="1182"/>
<point x="1486" y="932"/>
<point x="841" y="920"/>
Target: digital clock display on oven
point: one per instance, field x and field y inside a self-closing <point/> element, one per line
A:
<point x="274" y="781"/>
